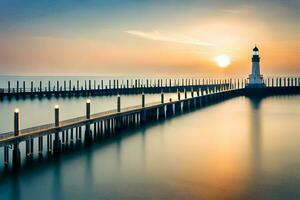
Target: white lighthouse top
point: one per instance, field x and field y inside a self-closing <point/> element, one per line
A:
<point x="255" y="51"/>
<point x="255" y="78"/>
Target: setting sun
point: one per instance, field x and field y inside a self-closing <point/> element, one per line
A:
<point x="223" y="61"/>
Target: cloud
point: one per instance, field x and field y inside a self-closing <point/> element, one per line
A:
<point x="168" y="37"/>
<point x="238" y="10"/>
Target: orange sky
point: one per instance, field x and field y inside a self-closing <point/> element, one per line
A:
<point x="175" y="40"/>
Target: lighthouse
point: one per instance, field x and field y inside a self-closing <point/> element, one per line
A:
<point x="255" y="78"/>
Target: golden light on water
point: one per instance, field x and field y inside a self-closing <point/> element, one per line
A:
<point x="223" y="61"/>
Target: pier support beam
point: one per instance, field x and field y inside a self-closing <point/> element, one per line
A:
<point x="118" y="103"/>
<point x="192" y="100"/>
<point x="178" y="104"/>
<point x="143" y="113"/>
<point x="88" y="133"/>
<point x="40" y="145"/>
<point x="6" y="155"/>
<point x="185" y="106"/>
<point x="170" y="110"/>
<point x="161" y="109"/>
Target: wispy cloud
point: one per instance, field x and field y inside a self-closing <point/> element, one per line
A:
<point x="238" y="10"/>
<point x="168" y="37"/>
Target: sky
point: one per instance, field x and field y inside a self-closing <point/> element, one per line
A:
<point x="148" y="37"/>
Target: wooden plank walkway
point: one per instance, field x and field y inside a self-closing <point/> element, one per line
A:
<point x="28" y="133"/>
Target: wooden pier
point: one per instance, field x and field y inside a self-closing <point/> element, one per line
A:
<point x="23" y="89"/>
<point x="55" y="137"/>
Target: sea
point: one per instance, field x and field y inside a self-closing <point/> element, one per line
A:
<point x="242" y="148"/>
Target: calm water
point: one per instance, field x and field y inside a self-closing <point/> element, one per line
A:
<point x="239" y="149"/>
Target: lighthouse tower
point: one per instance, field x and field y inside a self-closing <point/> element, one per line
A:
<point x="255" y="78"/>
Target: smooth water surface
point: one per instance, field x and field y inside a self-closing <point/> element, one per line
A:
<point x="238" y="149"/>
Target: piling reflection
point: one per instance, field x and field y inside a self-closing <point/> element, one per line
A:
<point x="88" y="181"/>
<point x="57" y="182"/>
<point x="16" y="195"/>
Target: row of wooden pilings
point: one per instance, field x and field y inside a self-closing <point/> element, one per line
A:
<point x="112" y="84"/>
<point x="282" y="82"/>
<point x="105" y="128"/>
<point x="132" y="86"/>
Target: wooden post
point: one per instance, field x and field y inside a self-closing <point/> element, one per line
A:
<point x="16" y="150"/>
<point x="57" y="141"/>
<point x="40" y="145"/>
<point x="169" y="109"/>
<point x="178" y="103"/>
<point x="280" y="82"/>
<point x="143" y="113"/>
<point x="65" y="86"/>
<point x="17" y="86"/>
<point x="24" y="89"/>
<point x="143" y="100"/>
<point x="67" y="137"/>
<point x="49" y="86"/>
<point x="40" y="89"/>
<point x="192" y="100"/>
<point x="88" y="109"/>
<point x="118" y="103"/>
<point x="16" y="122"/>
<point x="8" y="86"/>
<point x="71" y="136"/>
<point x="88" y="135"/>
<point x="57" y="86"/>
<point x="31" y="86"/>
<point x="161" y="110"/>
<point x="6" y="155"/>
